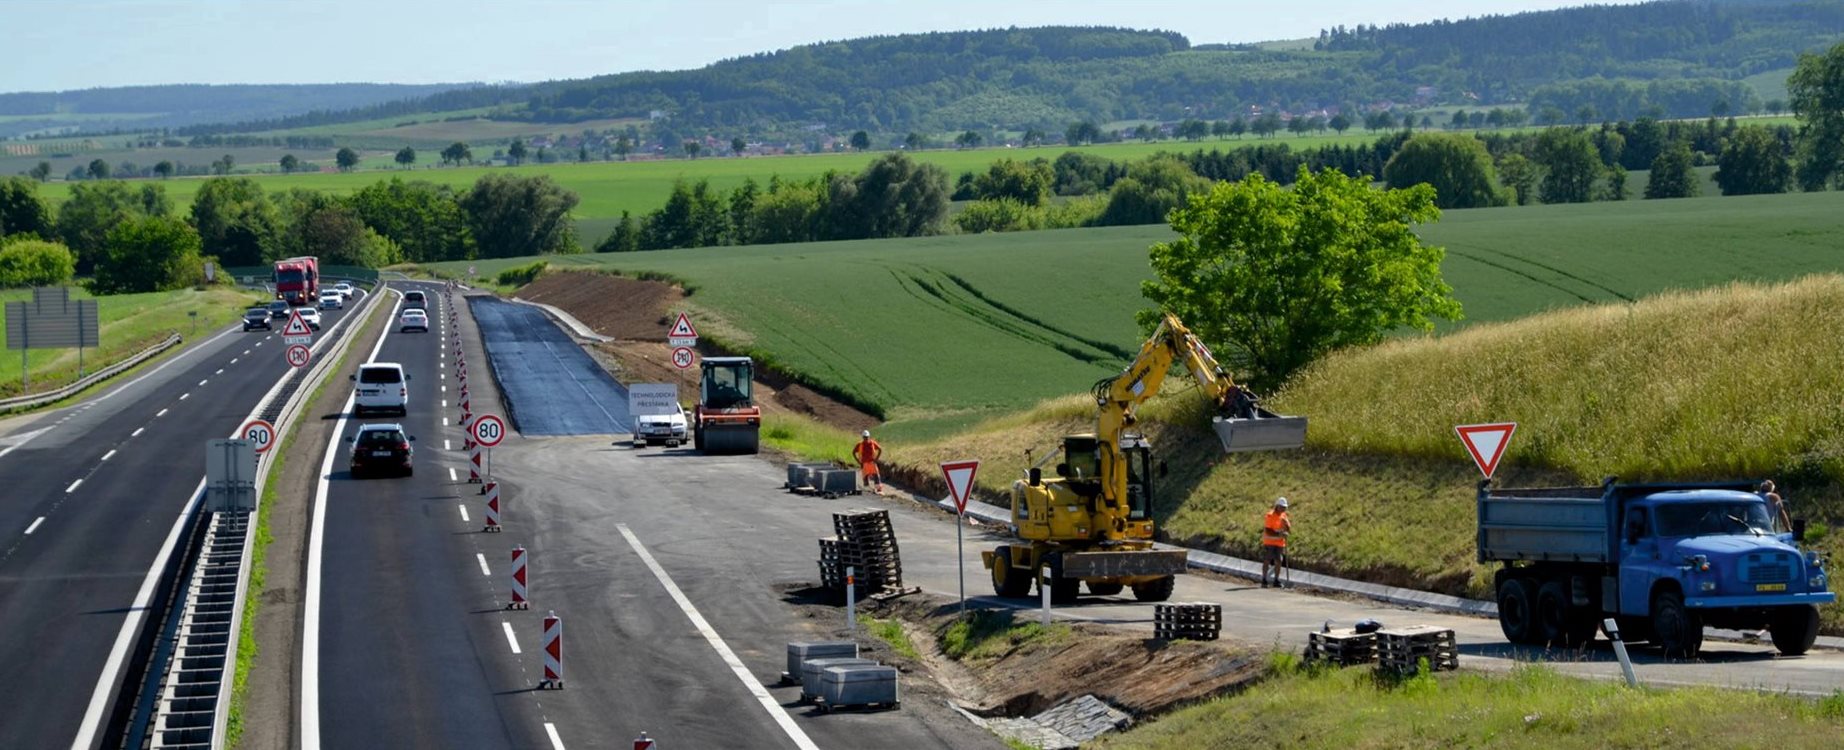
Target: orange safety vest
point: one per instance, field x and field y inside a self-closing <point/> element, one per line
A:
<point x="1272" y="527"/>
<point x="867" y="452"/>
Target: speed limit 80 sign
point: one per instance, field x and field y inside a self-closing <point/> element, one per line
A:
<point x="489" y="430"/>
<point x="260" y="433"/>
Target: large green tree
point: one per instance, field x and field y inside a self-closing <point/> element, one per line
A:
<point x="1277" y="277"/>
<point x="511" y="216"/>
<point x="27" y="261"/>
<point x="1150" y="191"/>
<point x="1571" y="165"/>
<point x="149" y="254"/>
<point x="237" y="222"/>
<point x="1817" y="91"/>
<point x="1456" y="166"/>
<point x="424" y="219"/>
<point x="456" y="153"/>
<point x="22" y="212"/>
<point x="91" y="211"/>
<point x="1027" y="182"/>
<point x="406" y="156"/>
<point x="1753" y="162"/>
<point x="1519" y="176"/>
<point x="346" y="159"/>
<point x="1673" y="174"/>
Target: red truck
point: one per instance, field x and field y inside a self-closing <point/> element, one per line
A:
<point x="297" y="280"/>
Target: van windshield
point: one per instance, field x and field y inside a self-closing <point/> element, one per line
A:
<point x="380" y="375"/>
<point x="1713" y="519"/>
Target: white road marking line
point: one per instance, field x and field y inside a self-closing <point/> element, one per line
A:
<point x="444" y="389"/>
<point x="234" y="360"/>
<point x="219" y="372"/>
<point x="464" y="519"/>
<point x="453" y="477"/>
<point x="73" y="486"/>
<point x="109" y="455"/>
<point x="184" y="396"/>
<point x="769" y="702"/>
<point x="207" y="380"/>
<point x="246" y="352"/>
<point x="160" y="413"/>
<point x="446" y="446"/>
<point x="444" y="421"/>
<point x="137" y="432"/>
<point x="478" y="556"/>
<point x="259" y="343"/>
<point x="444" y="403"/>
<point x="510" y="639"/>
<point x="556" y="741"/>
<point x="34" y="526"/>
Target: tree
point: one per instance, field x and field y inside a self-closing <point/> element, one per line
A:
<point x="346" y="159"/>
<point x="1456" y="166"/>
<point x="582" y="153"/>
<point x="1341" y="122"/>
<point x="1028" y="183"/>
<point x="1238" y="126"/>
<point x="149" y="254"/>
<point x="1775" y="106"/>
<point x="742" y="212"/>
<point x="332" y="232"/>
<point x="22" y="212"/>
<point x="738" y="145"/>
<point x="1571" y="165"/>
<point x="98" y="170"/>
<point x="223" y="164"/>
<point x="1586" y="114"/>
<point x="625" y="237"/>
<point x="692" y="148"/>
<point x="1033" y="137"/>
<point x="41" y="171"/>
<point x="406" y="156"/>
<point x="289" y="163"/>
<point x="456" y="153"/>
<point x="1752" y="163"/>
<point x="1082" y="133"/>
<point x="28" y="262"/>
<point x="154" y="201"/>
<point x="1279" y="277"/>
<point x="1520" y="175"/>
<point x="1193" y="129"/>
<point x="1266" y="125"/>
<point x="513" y="216"/>
<point x="423" y="219"/>
<point x="236" y="221"/>
<point x="969" y="139"/>
<point x="516" y="151"/>
<point x="623" y="147"/>
<point x="914" y="142"/>
<point x="861" y="140"/>
<point x="1673" y="175"/>
<point x="1817" y="91"/>
<point x="164" y="169"/>
<point x="1150" y="191"/>
<point x="87" y="216"/>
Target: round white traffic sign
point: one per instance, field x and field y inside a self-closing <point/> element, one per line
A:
<point x="683" y="358"/>
<point x="260" y="433"/>
<point x="488" y="430"/>
<point x="299" y="355"/>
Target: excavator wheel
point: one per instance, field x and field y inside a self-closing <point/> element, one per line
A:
<point x="1062" y="590"/>
<point x="1155" y="591"/>
<point x="1104" y="589"/>
<point x="1008" y="581"/>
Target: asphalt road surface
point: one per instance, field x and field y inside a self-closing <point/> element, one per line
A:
<point x="92" y="494"/>
<point x="553" y="387"/>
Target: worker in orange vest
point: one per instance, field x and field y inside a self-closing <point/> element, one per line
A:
<point x="867" y="451"/>
<point x="1275" y="529"/>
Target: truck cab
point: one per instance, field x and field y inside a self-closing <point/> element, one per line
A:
<point x="1722" y="551"/>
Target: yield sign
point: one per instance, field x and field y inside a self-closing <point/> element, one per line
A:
<point x="1486" y="443"/>
<point x="960" y="481"/>
<point x="682" y="328"/>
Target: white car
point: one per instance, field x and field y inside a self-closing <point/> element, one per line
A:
<point x="310" y="316"/>
<point x="344" y="288"/>
<point x="330" y="300"/>
<point x="413" y="320"/>
<point x="652" y="429"/>
<point x="382" y="387"/>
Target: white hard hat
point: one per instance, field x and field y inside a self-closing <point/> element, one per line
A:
<point x="866" y="433"/>
<point x="1280" y="502"/>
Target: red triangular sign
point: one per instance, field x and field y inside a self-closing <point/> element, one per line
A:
<point x="1486" y="443"/>
<point x="960" y="481"/>
<point x="682" y="328"/>
<point x="296" y="326"/>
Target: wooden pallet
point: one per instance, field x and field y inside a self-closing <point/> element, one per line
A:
<point x="1344" y="647"/>
<point x="1402" y="649"/>
<point x="1191" y="621"/>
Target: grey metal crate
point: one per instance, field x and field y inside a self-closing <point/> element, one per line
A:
<point x="800" y="474"/>
<point x="836" y="482"/>
<point x="858" y="685"/>
<point x="801" y="651"/>
<point x="811" y="669"/>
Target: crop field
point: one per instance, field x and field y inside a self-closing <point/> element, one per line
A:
<point x="130" y="323"/>
<point x="961" y="326"/>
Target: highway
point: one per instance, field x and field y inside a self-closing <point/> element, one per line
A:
<point x="95" y="491"/>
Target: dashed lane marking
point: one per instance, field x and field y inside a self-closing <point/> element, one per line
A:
<point x="479" y="556"/>
<point x="511" y="640"/>
<point x="34" y="526"/>
<point x="464" y="518"/>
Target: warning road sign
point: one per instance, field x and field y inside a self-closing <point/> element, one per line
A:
<point x="260" y="433"/>
<point x="298" y="355"/>
<point x="1486" y="443"/>
<point x="960" y="481"/>
<point x="488" y="430"/>
<point x="682" y="328"/>
<point x="683" y="358"/>
<point x="297" y="332"/>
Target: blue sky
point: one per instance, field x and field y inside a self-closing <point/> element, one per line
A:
<point x="67" y="44"/>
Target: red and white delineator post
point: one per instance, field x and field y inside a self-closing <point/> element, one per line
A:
<point x="553" y="651"/>
<point x="519" y="600"/>
<point x="467" y="412"/>
<point x="491" y="490"/>
<point x="473" y="467"/>
<point x="643" y="742"/>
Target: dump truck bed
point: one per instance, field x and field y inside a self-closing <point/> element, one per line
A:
<point x="1567" y="524"/>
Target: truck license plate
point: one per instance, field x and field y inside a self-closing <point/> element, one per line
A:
<point x="1770" y="587"/>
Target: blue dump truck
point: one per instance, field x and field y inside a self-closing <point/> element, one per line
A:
<point x="1663" y="560"/>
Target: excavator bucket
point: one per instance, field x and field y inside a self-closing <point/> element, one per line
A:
<point x="1266" y="432"/>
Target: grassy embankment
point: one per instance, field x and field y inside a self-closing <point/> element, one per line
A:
<point x="1531" y="707"/>
<point x="130" y="323"/>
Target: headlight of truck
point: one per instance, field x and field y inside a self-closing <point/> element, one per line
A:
<point x="1814" y="559"/>
<point x="1706" y="585"/>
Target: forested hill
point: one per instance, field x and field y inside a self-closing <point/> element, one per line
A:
<point x="128" y="107"/>
<point x="1679" y="58"/>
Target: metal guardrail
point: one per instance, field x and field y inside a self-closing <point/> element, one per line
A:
<point x="32" y="400"/>
<point x="193" y="697"/>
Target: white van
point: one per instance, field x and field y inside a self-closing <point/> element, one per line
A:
<point x="382" y="386"/>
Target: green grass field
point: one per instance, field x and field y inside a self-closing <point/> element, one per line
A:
<point x="130" y="323"/>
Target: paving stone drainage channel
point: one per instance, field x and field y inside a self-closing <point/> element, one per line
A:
<point x="195" y="657"/>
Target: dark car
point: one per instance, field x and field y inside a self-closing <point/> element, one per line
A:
<point x="279" y="309"/>
<point x="257" y="317"/>
<point x="415" y="301"/>
<point x="380" y="448"/>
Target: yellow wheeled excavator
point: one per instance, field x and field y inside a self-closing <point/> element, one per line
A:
<point x="1092" y="523"/>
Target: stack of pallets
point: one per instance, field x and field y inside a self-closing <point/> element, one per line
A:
<point x="1344" y="647"/>
<point x="1402" y="649"/>
<point x="866" y="543"/>
<point x="1191" y="621"/>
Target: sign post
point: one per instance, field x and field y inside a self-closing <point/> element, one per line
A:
<point x="960" y="485"/>
<point x="1486" y="443"/>
<point x="488" y="431"/>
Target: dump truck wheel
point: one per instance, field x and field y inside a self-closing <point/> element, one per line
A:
<point x="1678" y="630"/>
<point x="1155" y="591"/>
<point x="1794" y="629"/>
<point x="1557" y="621"/>
<point x="1517" y="610"/>
<point x="1104" y="589"/>
<point x="1008" y="581"/>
